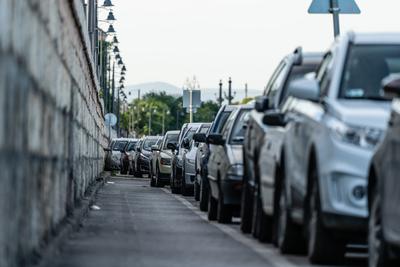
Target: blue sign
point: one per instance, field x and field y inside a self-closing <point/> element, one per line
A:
<point x="326" y="7"/>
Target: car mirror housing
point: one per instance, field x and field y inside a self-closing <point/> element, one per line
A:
<point x="274" y="118"/>
<point x="171" y="146"/>
<point x="186" y="143"/>
<point x="107" y="149"/>
<point x="305" y="88"/>
<point x="215" y="139"/>
<point x="262" y="103"/>
<point x="391" y="86"/>
<point x="154" y="148"/>
<point x="199" y="137"/>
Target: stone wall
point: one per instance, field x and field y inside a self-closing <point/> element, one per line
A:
<point x="51" y="121"/>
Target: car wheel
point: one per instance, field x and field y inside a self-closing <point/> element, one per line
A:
<point x="262" y="224"/>
<point x="318" y="236"/>
<point x="288" y="234"/>
<point x="196" y="190"/>
<point x="185" y="191"/>
<point x="204" y="192"/>
<point x="224" y="212"/>
<point x="174" y="189"/>
<point x="157" y="177"/>
<point x="377" y="248"/>
<point x="212" y="207"/>
<point x="246" y="208"/>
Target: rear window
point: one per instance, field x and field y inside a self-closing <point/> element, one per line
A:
<point x="119" y="145"/>
<point x="238" y="131"/>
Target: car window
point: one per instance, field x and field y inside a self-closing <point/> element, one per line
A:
<point x="227" y="126"/>
<point x="277" y="71"/>
<point x="365" y="68"/>
<point x="204" y="129"/>
<point x="277" y="85"/>
<point x="323" y="76"/>
<point x="131" y="146"/>
<point x="217" y="128"/>
<point x="119" y="145"/>
<point x="148" y="143"/>
<point x="159" y="142"/>
<point x="238" y="130"/>
<point x="170" y="138"/>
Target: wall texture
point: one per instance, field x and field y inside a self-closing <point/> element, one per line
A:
<point x="51" y="121"/>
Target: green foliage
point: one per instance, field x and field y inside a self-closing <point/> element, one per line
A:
<point x="246" y="100"/>
<point x="163" y="107"/>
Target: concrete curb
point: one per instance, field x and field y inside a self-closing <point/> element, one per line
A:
<point x="70" y="224"/>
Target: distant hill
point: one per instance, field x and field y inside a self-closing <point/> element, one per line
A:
<point x="207" y="93"/>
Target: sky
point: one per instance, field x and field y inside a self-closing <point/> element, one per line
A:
<point x="170" y="40"/>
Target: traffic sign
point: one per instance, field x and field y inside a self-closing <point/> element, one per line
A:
<point x="110" y="119"/>
<point x="326" y="7"/>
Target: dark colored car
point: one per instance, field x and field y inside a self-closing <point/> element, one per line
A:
<point x="291" y="67"/>
<point x="384" y="190"/>
<point x="185" y="136"/>
<point x="201" y="186"/>
<point x="142" y="155"/>
<point x="225" y="167"/>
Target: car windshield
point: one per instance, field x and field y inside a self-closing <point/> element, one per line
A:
<point x="148" y="143"/>
<point x="119" y="145"/>
<point x="171" y="138"/>
<point x="131" y="146"/>
<point x="366" y="67"/>
<point x="217" y="128"/>
<point x="238" y="131"/>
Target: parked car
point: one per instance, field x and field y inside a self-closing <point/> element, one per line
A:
<point x="201" y="186"/>
<point x="153" y="155"/>
<point x="113" y="156"/>
<point x="127" y="155"/>
<point x="225" y="167"/>
<point x="161" y="161"/>
<point x="189" y="161"/>
<point x="333" y="122"/>
<point x="178" y="151"/>
<point x="291" y="67"/>
<point x="384" y="189"/>
<point x="142" y="155"/>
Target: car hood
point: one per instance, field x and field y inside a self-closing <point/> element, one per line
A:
<point x="235" y="154"/>
<point x="146" y="153"/>
<point x="363" y="113"/>
<point x="166" y="154"/>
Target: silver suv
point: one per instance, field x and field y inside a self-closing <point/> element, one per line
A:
<point x="331" y="125"/>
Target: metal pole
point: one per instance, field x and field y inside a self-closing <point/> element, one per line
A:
<point x="220" y="93"/>
<point x="246" y="90"/>
<point x="190" y="104"/>
<point x="118" y="114"/>
<point x="230" y="92"/>
<point x="150" y="123"/>
<point x="113" y="89"/>
<point x="335" y="13"/>
<point x="163" y="122"/>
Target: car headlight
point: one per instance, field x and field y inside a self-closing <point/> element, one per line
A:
<point x="191" y="161"/>
<point x="143" y="156"/>
<point x="366" y="137"/>
<point x="165" y="161"/>
<point x="236" y="170"/>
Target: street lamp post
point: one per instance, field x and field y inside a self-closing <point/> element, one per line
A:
<point x="163" y="121"/>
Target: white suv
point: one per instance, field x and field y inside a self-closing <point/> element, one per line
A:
<point x="332" y="123"/>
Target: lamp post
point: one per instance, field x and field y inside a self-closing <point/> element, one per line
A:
<point x="163" y="120"/>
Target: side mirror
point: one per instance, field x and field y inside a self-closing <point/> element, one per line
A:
<point x="186" y="143"/>
<point x="262" y="103"/>
<point x="215" y="139"/>
<point x="199" y="137"/>
<point x="171" y="146"/>
<point x="107" y="149"/>
<point x="274" y="119"/>
<point x="138" y="149"/>
<point x="305" y="88"/>
<point x="391" y="86"/>
<point x="154" y="148"/>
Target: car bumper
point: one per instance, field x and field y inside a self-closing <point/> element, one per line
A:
<point x="343" y="180"/>
<point x="231" y="188"/>
<point x="190" y="173"/>
<point x="165" y="170"/>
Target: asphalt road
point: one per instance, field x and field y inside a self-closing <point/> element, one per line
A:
<point x="142" y="226"/>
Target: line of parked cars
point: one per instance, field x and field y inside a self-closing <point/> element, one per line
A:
<point x="311" y="166"/>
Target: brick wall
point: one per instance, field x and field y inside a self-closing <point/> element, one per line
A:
<point x="51" y="121"/>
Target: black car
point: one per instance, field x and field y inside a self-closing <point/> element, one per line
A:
<point x="142" y="156"/>
<point x="225" y="167"/>
<point x="290" y="68"/>
<point x="384" y="190"/>
<point x="201" y="187"/>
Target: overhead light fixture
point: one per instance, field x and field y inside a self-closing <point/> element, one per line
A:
<point x="110" y="16"/>
<point x="107" y="3"/>
<point x="111" y="29"/>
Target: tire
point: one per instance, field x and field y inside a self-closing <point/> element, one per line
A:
<point x="196" y="191"/>
<point x="377" y="247"/>
<point x="158" y="183"/>
<point x="185" y="191"/>
<point x="174" y="189"/>
<point x="318" y="236"/>
<point x="224" y="211"/>
<point x="152" y="182"/>
<point x="212" y="207"/>
<point x="246" y="209"/>
<point x="204" y="192"/>
<point x="289" y="239"/>
<point x="262" y="224"/>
